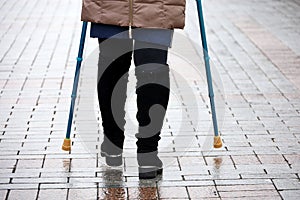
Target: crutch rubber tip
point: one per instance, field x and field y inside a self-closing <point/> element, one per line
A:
<point x="66" y="145"/>
<point x="217" y="142"/>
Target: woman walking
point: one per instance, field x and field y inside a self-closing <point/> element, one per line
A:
<point x="142" y="29"/>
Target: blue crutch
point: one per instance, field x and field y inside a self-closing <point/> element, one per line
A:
<point x="67" y="141"/>
<point x="217" y="138"/>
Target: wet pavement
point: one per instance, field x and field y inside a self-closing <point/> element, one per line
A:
<point x="255" y="51"/>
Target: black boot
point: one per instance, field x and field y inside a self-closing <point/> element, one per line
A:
<point x="150" y="166"/>
<point x="152" y="100"/>
<point x="112" y="88"/>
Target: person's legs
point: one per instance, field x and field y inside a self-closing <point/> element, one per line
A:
<point x="153" y="89"/>
<point x="113" y="66"/>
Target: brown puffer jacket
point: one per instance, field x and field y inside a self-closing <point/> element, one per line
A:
<point x="167" y="14"/>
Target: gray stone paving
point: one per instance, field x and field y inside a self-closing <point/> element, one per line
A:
<point x="255" y="51"/>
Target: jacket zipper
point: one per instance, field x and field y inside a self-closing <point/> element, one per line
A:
<point x="130" y="17"/>
<point x="130" y="12"/>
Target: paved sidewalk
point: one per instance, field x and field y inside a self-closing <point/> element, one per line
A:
<point x="255" y="51"/>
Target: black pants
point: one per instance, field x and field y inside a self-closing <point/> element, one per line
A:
<point x="152" y="89"/>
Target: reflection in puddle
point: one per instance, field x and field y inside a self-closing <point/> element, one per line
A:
<point x="114" y="186"/>
<point x="217" y="167"/>
<point x="113" y="176"/>
<point x="113" y="193"/>
<point x="218" y="162"/>
<point x="67" y="164"/>
<point x="147" y="193"/>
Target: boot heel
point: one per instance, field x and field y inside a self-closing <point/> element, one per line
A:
<point x="149" y="172"/>
<point x="160" y="171"/>
<point x="113" y="161"/>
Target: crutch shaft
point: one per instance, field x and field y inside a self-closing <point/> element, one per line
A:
<point x="217" y="142"/>
<point x="66" y="145"/>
